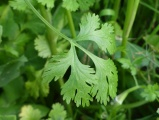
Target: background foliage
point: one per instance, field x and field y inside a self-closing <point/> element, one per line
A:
<point x="112" y="76"/>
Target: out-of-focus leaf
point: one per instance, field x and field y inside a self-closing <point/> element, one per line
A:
<point x="153" y="41"/>
<point x="41" y="45"/>
<point x="158" y="110"/>
<point x="20" y="4"/>
<point x="151" y="92"/>
<point x="57" y="112"/>
<point x="7" y="117"/>
<point x="127" y="64"/>
<point x="73" y="5"/>
<point x="139" y="55"/>
<point x="29" y="113"/>
<point x="48" y="3"/>
<point x="10" y="71"/>
<point x="34" y="85"/>
<point x="13" y="91"/>
<point x="35" y="25"/>
<point x="10" y="27"/>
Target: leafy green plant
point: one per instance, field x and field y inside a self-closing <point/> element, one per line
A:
<point x="84" y="81"/>
<point x="79" y="59"/>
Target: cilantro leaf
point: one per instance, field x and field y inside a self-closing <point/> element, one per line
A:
<point x="20" y="4"/>
<point x="73" y="5"/>
<point x="57" y="112"/>
<point x="11" y="70"/>
<point x="29" y="113"/>
<point x="48" y="3"/>
<point x="56" y="67"/>
<point x="90" y="30"/>
<point x="41" y="45"/>
<point x="76" y="88"/>
<point x="34" y="85"/>
<point x="79" y="83"/>
<point x="85" y="82"/>
<point x="107" y="80"/>
<point x="151" y="92"/>
<point x="127" y="64"/>
<point x="85" y="4"/>
<point x="157" y="111"/>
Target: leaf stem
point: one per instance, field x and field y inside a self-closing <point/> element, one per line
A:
<point x="57" y="31"/>
<point x="50" y="34"/>
<point x="135" y="80"/>
<point x="126" y="106"/>
<point x="46" y="22"/>
<point x="121" y="97"/>
<point x="132" y="6"/>
<point x="130" y="17"/>
<point x="71" y="23"/>
<point x="134" y="105"/>
<point x="116" y="9"/>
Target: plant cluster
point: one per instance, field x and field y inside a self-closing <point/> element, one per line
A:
<point x="79" y="59"/>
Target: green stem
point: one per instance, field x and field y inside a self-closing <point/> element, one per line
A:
<point x="50" y="34"/>
<point x="148" y="6"/>
<point x="57" y="31"/>
<point x="126" y="106"/>
<point x="46" y="22"/>
<point x="116" y="9"/>
<point x="135" y="80"/>
<point x="134" y="105"/>
<point x="71" y="24"/>
<point x="130" y="17"/>
<point x="132" y="6"/>
<point x="121" y="97"/>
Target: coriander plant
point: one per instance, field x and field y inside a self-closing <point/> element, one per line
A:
<point x="79" y="59"/>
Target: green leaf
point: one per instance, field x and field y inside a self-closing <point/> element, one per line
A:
<point x="73" y="5"/>
<point x="152" y="40"/>
<point x="127" y="64"/>
<point x="13" y="91"/>
<point x="85" y="4"/>
<point x="76" y="88"/>
<point x="44" y="110"/>
<point x="79" y="83"/>
<point x="57" y="67"/>
<point x="19" y="4"/>
<point x="36" y="90"/>
<point x="10" y="27"/>
<point x="10" y="71"/>
<point x="143" y="57"/>
<point x="41" y="45"/>
<point x="151" y="92"/>
<point x="90" y="30"/>
<point x="83" y="80"/>
<point x="16" y="47"/>
<point x="1" y="31"/>
<point x="7" y="117"/>
<point x="48" y="3"/>
<point x="158" y="110"/>
<point x="29" y="113"/>
<point x="57" y="112"/>
<point x="107" y="80"/>
<point x="34" y="85"/>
